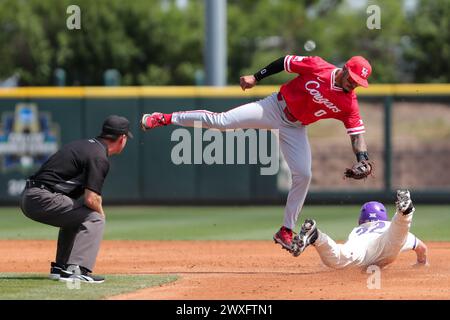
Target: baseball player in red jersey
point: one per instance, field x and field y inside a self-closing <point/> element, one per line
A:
<point x="320" y="91"/>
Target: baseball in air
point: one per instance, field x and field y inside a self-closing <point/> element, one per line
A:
<point x="310" y="45"/>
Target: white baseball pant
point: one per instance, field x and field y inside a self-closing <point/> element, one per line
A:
<point x="380" y="251"/>
<point x="266" y="114"/>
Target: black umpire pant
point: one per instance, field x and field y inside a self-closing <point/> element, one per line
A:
<point x="81" y="228"/>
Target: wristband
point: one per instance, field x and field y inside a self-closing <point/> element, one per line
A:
<point x="362" y="155"/>
<point x="273" y="68"/>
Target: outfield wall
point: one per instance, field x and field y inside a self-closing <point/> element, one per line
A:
<point x="36" y="121"/>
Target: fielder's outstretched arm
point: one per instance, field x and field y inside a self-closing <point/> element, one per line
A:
<point x="250" y="81"/>
<point x="359" y="147"/>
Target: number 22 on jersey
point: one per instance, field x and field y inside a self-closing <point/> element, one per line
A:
<point x="372" y="229"/>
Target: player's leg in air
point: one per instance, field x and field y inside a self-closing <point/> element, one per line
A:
<point x="394" y="238"/>
<point x="333" y="255"/>
<point x="261" y="114"/>
<point x="297" y="153"/>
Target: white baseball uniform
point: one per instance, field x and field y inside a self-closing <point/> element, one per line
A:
<point x="372" y="243"/>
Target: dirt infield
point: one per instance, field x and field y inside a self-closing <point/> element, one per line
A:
<point x="243" y="270"/>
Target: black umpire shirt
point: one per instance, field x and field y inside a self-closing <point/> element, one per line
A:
<point x="79" y="165"/>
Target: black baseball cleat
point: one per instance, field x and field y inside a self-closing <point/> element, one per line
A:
<point x="55" y="270"/>
<point x="404" y="203"/>
<point x="79" y="273"/>
<point x="308" y="235"/>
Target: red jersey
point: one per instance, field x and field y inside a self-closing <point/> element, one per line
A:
<point x="313" y="96"/>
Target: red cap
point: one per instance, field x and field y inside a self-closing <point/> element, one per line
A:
<point x="359" y="70"/>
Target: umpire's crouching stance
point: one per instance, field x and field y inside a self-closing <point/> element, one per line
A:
<point x="54" y="196"/>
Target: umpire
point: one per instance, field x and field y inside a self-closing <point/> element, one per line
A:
<point x="66" y="193"/>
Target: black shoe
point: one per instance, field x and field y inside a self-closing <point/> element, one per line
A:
<point x="404" y="203"/>
<point x="78" y="273"/>
<point x="307" y="236"/>
<point x="55" y="270"/>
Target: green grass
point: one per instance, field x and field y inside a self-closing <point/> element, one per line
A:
<point x="221" y="223"/>
<point x="185" y="223"/>
<point x="35" y="286"/>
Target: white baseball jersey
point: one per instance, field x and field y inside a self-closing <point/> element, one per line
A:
<point x="372" y="243"/>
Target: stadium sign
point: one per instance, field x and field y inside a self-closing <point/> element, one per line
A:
<point x="27" y="138"/>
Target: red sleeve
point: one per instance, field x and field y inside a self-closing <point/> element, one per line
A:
<point x="352" y="121"/>
<point x="301" y="64"/>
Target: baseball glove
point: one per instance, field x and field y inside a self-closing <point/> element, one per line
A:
<point x="360" y="170"/>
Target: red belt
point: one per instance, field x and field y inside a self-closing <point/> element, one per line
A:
<point x="288" y="114"/>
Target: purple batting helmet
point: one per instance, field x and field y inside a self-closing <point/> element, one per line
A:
<point x="372" y="211"/>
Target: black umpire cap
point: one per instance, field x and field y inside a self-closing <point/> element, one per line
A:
<point x="114" y="126"/>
